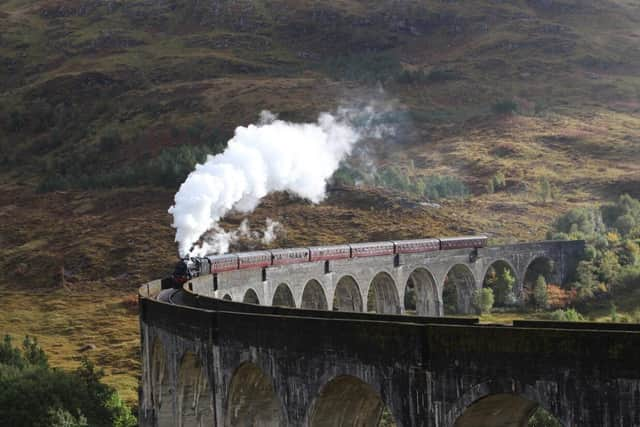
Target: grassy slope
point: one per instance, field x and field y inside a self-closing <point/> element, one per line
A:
<point x="147" y="68"/>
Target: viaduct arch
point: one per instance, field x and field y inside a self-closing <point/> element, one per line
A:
<point x="223" y="363"/>
<point x="348" y="284"/>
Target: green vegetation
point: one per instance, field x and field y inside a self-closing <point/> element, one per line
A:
<point x="612" y="254"/>
<point x="34" y="394"/>
<point x="568" y="315"/>
<point x="542" y="418"/>
<point x="432" y="187"/>
<point x="168" y="169"/>
<point x="540" y="295"/>
<point x="496" y="183"/>
<point x="500" y="280"/>
<point x="483" y="300"/>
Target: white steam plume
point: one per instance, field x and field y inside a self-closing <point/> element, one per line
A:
<point x="273" y="155"/>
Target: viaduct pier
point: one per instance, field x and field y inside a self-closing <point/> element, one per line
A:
<point x="326" y="343"/>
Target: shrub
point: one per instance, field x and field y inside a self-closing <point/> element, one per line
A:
<point x="62" y="418"/>
<point x="542" y="418"/>
<point x="33" y="394"/>
<point x="443" y="187"/>
<point x="505" y="106"/>
<point x="168" y="169"/>
<point x="624" y="215"/>
<point x="558" y="297"/>
<point x="608" y="267"/>
<point x="501" y="282"/>
<point x="483" y="300"/>
<point x="496" y="183"/>
<point x="629" y="253"/>
<point x="540" y="294"/>
<point x="367" y="67"/>
<point x="545" y="193"/>
<point x="628" y="278"/>
<point x="569" y="315"/>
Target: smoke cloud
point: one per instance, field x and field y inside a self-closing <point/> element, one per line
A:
<point x="273" y="155"/>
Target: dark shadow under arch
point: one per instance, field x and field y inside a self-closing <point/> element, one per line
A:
<point x="502" y="279"/>
<point x="347" y="401"/>
<point x="283" y="297"/>
<point x="227" y="297"/>
<point x="383" y="295"/>
<point x="457" y="293"/>
<point x="538" y="266"/>
<point x="504" y="410"/>
<point x="313" y="297"/>
<point x="250" y="297"/>
<point x="252" y="400"/>
<point x="421" y="294"/>
<point x="193" y="393"/>
<point x="347" y="295"/>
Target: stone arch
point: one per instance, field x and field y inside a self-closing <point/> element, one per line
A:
<point x="502" y="403"/>
<point x="382" y="296"/>
<point x="252" y="400"/>
<point x="194" y="394"/>
<point x="457" y="290"/>
<point x="421" y="294"/>
<point x="283" y="297"/>
<point x="498" y="410"/>
<point x="313" y="297"/>
<point x="348" y="401"/>
<point x="346" y="296"/>
<point x="495" y="278"/>
<point x="251" y="297"/>
<point x="227" y="297"/>
<point x="161" y="392"/>
<point x="537" y="265"/>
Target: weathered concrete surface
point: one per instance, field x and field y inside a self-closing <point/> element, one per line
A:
<point x="272" y="366"/>
<point x="381" y="282"/>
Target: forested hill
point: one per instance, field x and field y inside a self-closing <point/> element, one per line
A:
<point x="507" y="113"/>
<point x="86" y="85"/>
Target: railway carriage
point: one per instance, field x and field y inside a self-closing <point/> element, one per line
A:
<point x="371" y="249"/>
<point x="416" y="246"/>
<point x="289" y="256"/>
<point x="326" y="253"/>
<point x="463" y="242"/>
<point x="255" y="259"/>
<point x="220" y="263"/>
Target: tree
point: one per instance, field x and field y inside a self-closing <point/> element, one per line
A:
<point x="33" y="394"/>
<point x="569" y="315"/>
<point x="544" y="190"/>
<point x="609" y="266"/>
<point x="629" y="253"/>
<point x="586" y="278"/>
<point x="540" y="295"/>
<point x="483" y="300"/>
<point x="542" y="418"/>
<point x="583" y="221"/>
<point x="501" y="282"/>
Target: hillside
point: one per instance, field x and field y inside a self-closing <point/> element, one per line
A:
<point x="106" y="105"/>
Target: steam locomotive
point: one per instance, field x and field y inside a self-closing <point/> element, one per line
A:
<point x="193" y="267"/>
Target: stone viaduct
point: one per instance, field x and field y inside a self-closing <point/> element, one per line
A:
<point x="208" y="361"/>
<point x="379" y="283"/>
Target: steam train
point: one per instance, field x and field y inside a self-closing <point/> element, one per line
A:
<point x="193" y="267"/>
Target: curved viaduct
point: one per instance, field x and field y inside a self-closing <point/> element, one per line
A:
<point x="208" y="361"/>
